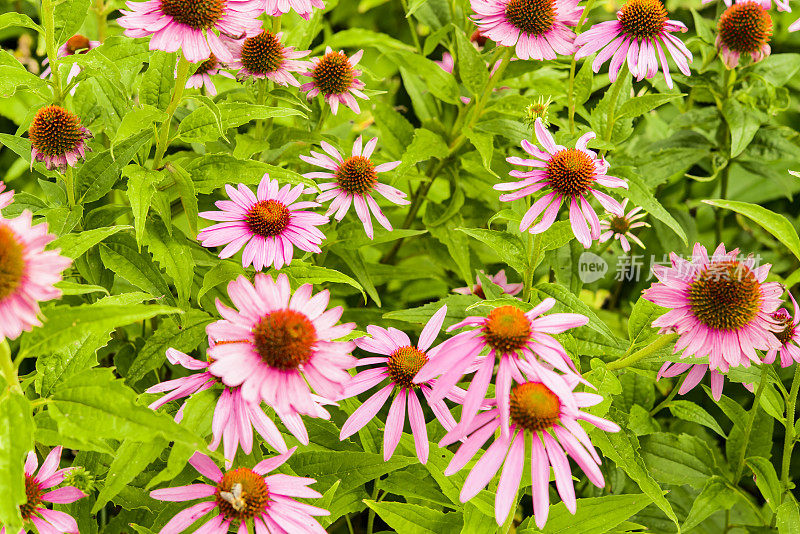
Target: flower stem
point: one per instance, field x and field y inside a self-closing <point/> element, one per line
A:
<point x="571" y="92"/>
<point x="628" y="360"/>
<point x="748" y="429"/>
<point x="101" y="16"/>
<point x="49" y="23"/>
<point x="262" y="96"/>
<point x="69" y="184"/>
<point x="180" y="84"/>
<point x="663" y="404"/>
<point x="7" y="368"/>
<point x="533" y="253"/>
<point x="371" y="516"/>
<point x="788" y="442"/>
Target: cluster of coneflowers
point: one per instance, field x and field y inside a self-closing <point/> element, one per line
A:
<point x="287" y="351"/>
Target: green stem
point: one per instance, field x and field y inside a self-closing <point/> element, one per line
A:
<point x="262" y="96"/>
<point x="49" y="23"/>
<point x="663" y="404"/>
<point x="411" y="27"/>
<point x="349" y="524"/>
<point x="655" y="346"/>
<point x="572" y="66"/>
<point x="534" y="253"/>
<point x="788" y="442"/>
<point x="69" y="184"/>
<point x="723" y="194"/>
<point x="7" y="366"/>
<point x="371" y="516"/>
<point x="750" y="420"/>
<point x="323" y="114"/>
<point x="180" y="84"/>
<point x="101" y="17"/>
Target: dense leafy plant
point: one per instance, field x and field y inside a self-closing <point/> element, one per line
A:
<point x="418" y="266"/>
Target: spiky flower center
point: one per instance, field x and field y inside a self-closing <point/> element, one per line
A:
<point x="357" y="175"/>
<point x="33" y="494"/>
<point x="207" y="65"/>
<point x="726" y="295"/>
<point x="55" y="131"/>
<point x="333" y="73"/>
<point x="571" y="172"/>
<point x="242" y="495"/>
<point x="619" y="225"/>
<point x="534" y="407"/>
<point x="197" y="14"/>
<point x="642" y="19"/>
<point x="285" y="339"/>
<point x="12" y="262"/>
<point x="404" y="364"/>
<point x="507" y="329"/>
<point x="262" y="54"/>
<point x="534" y="17"/>
<point x="268" y="218"/>
<point x="77" y="43"/>
<point x="785" y="320"/>
<point x="745" y="27"/>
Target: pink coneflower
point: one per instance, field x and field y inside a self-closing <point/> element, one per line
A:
<point x="45" y="520"/>
<point x="6" y="197"/>
<point x="303" y="8"/>
<point x="245" y="498"/>
<point x="264" y="56"/>
<point x="767" y="4"/>
<point x="619" y="227"/>
<point x="77" y="44"/>
<point x="539" y="29"/>
<point x="28" y="273"/>
<point x="549" y="417"/>
<point x="278" y="345"/>
<point x="190" y="25"/>
<point x="334" y="76"/>
<point x="744" y="28"/>
<point x="696" y="372"/>
<point x="355" y="180"/>
<point x="57" y="137"/>
<point x="234" y="419"/>
<point x="401" y="360"/>
<point x="499" y="279"/>
<point x="570" y="174"/>
<point x="268" y="224"/>
<point x="720" y="306"/>
<point x="509" y="335"/>
<point x="202" y="76"/>
<point x="788" y="336"/>
<point x="641" y="35"/>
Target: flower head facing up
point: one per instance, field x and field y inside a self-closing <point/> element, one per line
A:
<point x="744" y="28"/>
<point x="268" y="224"/>
<point x="720" y="306"/>
<point x="621" y="227"/>
<point x="190" y="25"/>
<point x="642" y="36"/>
<point x="498" y="279"/>
<point x="788" y="335"/>
<point x="544" y="411"/>
<point x="264" y="56"/>
<point x="202" y="76"/>
<point x="278" y="346"/>
<point x="538" y="29"/>
<point x="507" y="336"/>
<point x="399" y="361"/>
<point x="571" y="175"/>
<point x="303" y="8"/>
<point x="57" y="137"/>
<point x="28" y="273"/>
<point x="335" y="77"/>
<point x="249" y="499"/>
<point x="39" y="491"/>
<point x="355" y="180"/>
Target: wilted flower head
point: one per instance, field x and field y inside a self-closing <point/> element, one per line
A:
<point x="335" y="77"/>
<point x="57" y="137"/>
<point x="641" y="35"/>
<point x="264" y="56"/>
<point x="538" y="110"/>
<point x="202" y="76"/>
<point x="744" y="28"/>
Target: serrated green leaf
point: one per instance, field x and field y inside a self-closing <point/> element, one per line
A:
<point x="201" y="126"/>
<point x="595" y="515"/>
<point x="130" y="459"/>
<point x="16" y="440"/>
<point x="689" y="411"/>
<point x="416" y="519"/>
<point x="766" y="479"/>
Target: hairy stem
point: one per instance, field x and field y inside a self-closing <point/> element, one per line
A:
<point x="788" y="441"/>
<point x="628" y="360"/>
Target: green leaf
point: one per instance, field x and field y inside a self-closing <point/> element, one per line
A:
<point x="351" y="467"/>
<point x="690" y="411"/>
<point x="141" y="188"/>
<point x="583" y="83"/>
<point x="305" y="273"/>
<point x="187" y="194"/>
<point x="788" y="517"/>
<point x="74" y="288"/>
<point x="702" y="28"/>
<point x="425" y="145"/>
<point x="743" y="122"/>
<point x="642" y="316"/>
<point x="74" y="245"/>
<point x="97" y="176"/>
<point x="508" y="247"/>
<point x="185" y="337"/>
<point x="224" y="271"/>
<point x="639" y="105"/>
<point x="130" y="459"/>
<point x="415" y="519"/>
<point x="173" y="254"/>
<point x="595" y="515"/>
<point x="135" y="121"/>
<point x="16" y="440"/>
<point x="774" y="223"/>
<point x="95" y="402"/>
<point x="362" y="38"/>
<point x="63" y="325"/>
<point x="55" y="367"/>
<point x="641" y="195"/>
<point x="158" y="80"/>
<point x="214" y="171"/>
<point x="201" y="126"/>
<point x="456" y="310"/>
<point x="12" y="79"/>
<point x="766" y="479"/>
<point x="69" y="17"/>
<point x="471" y="66"/>
<point x="484" y="143"/>
<point x="571" y="303"/>
<point x="677" y="459"/>
<point x="778" y="69"/>
<point x="121" y="255"/>
<point x="355" y="261"/>
<point x="716" y="496"/>
<point x="19" y="20"/>
<point x="441" y="84"/>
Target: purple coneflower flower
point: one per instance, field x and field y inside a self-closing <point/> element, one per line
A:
<point x="744" y="28"/>
<point x="264" y="56"/>
<point x="571" y="174"/>
<point x="355" y="178"/>
<point x="57" y="137"/>
<point x="620" y="227"/>
<point x="334" y="76"/>
<point x="499" y="279"/>
<point x="789" y="336"/>
<point x="77" y="44"/>
<point x="202" y="76"/>
<point x="303" y="8"/>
